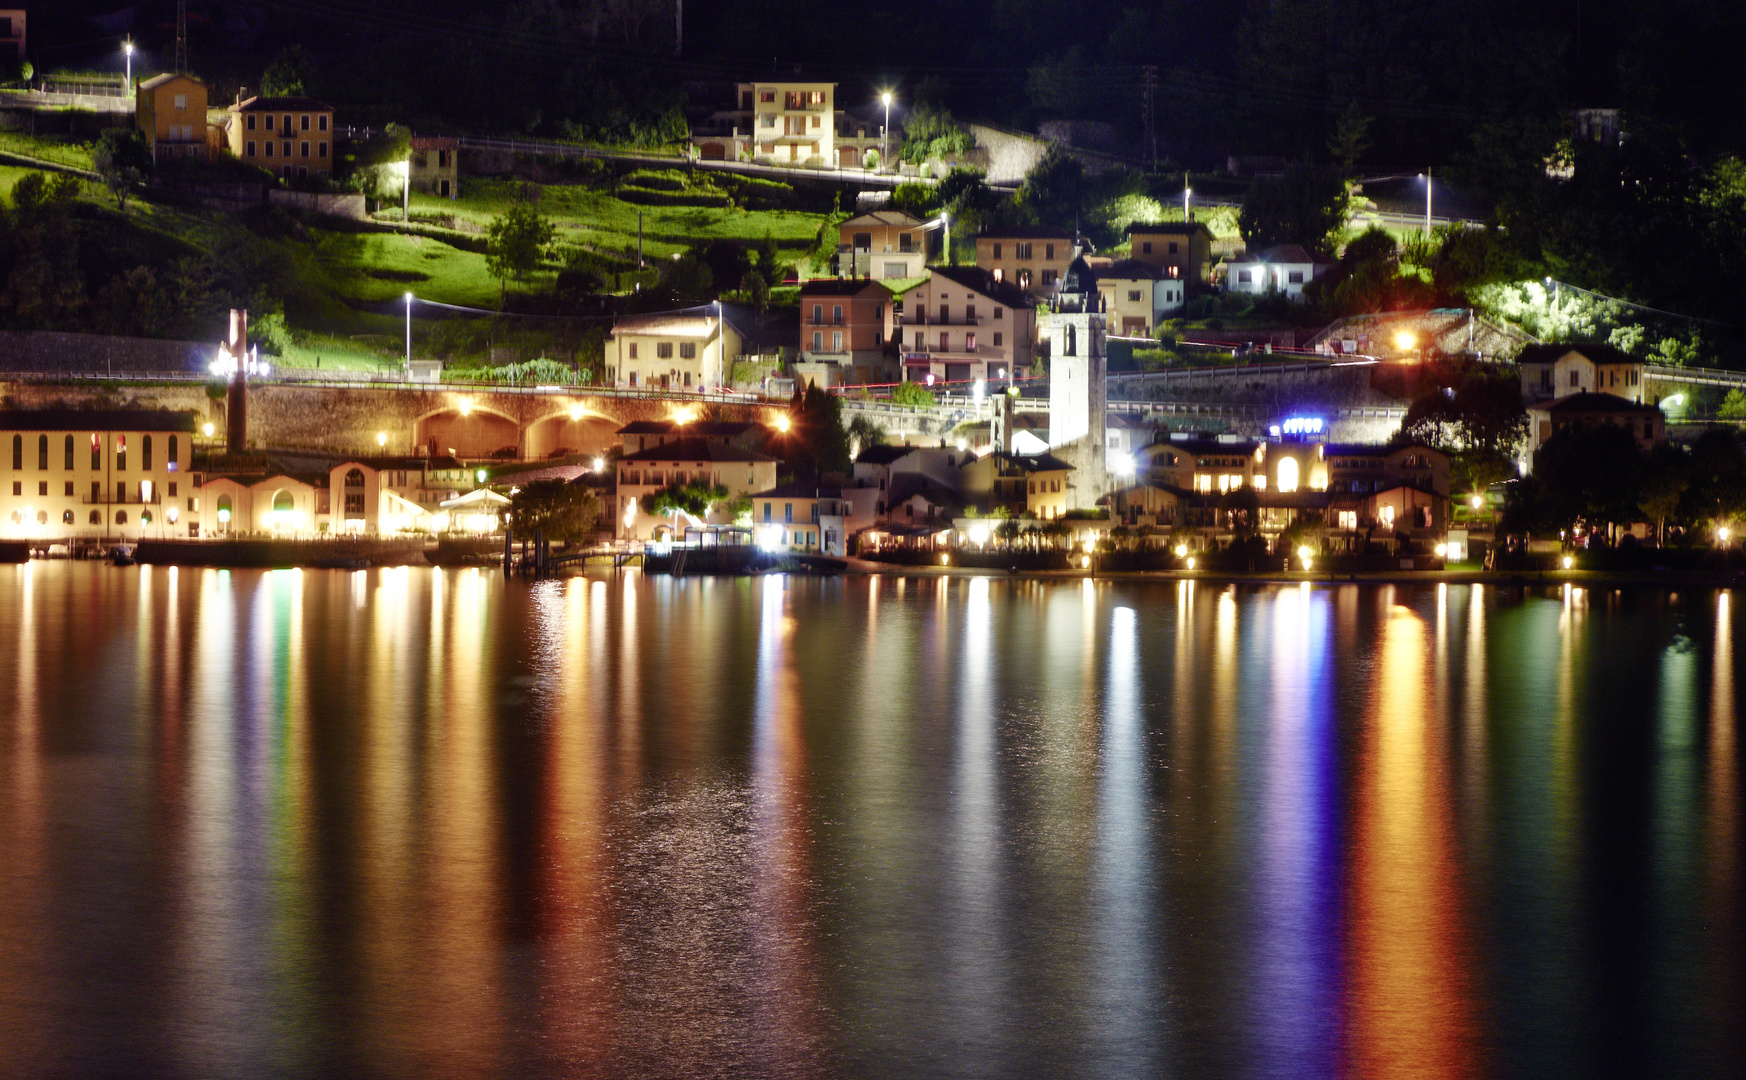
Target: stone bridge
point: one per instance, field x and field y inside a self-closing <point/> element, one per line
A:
<point x="345" y="419"/>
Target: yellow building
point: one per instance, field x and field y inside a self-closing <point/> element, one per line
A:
<point x="1034" y="259"/>
<point x="290" y="136"/>
<point x="684" y="461"/>
<point x="674" y="350"/>
<point x="170" y="111"/>
<point x="255" y="505"/>
<point x="94" y="475"/>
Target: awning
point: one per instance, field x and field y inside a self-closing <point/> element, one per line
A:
<point x="480" y="499"/>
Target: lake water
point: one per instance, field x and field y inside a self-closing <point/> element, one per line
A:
<point x="415" y="823"/>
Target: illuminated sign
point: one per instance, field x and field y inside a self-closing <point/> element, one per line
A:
<point x="1302" y="425"/>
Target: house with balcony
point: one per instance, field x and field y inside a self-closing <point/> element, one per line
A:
<point x="1137" y="296"/>
<point x="963" y="324"/>
<point x="1579" y="367"/>
<point x="1286" y="269"/>
<point x="812" y="517"/>
<point x="170" y="112"/>
<point x="784" y="123"/>
<point x="883" y="244"/>
<point x="69" y="475"/>
<point x="682" y="461"/>
<point x="1181" y="250"/>
<point x="1032" y="258"/>
<point x="289" y="136"/>
<point x="845" y="331"/>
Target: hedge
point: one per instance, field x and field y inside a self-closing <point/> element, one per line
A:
<point x="657" y="179"/>
<point x="651" y="197"/>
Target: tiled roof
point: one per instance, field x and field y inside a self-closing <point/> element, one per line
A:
<point x="695" y="449"/>
<point x="883" y="217"/>
<point x="1585" y="402"/>
<point x="1598" y="352"/>
<point x="800" y="490"/>
<point x="1035" y="462"/>
<point x="281" y="104"/>
<point x="1171" y="227"/>
<point x="839" y="287"/>
<point x="1026" y="232"/>
<point x="981" y="281"/>
<point x="95" y="420"/>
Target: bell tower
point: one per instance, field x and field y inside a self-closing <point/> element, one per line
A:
<point x="1078" y="381"/>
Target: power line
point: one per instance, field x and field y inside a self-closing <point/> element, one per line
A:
<point x="1639" y="307"/>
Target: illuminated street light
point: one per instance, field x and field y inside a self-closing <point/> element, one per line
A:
<point x="127" y="47"/>
<point x="1191" y="563"/>
<point x="885" y="132"/>
<point x="381" y="438"/>
<point x="782" y="424"/>
<point x="206" y="429"/>
<point x="1306" y="555"/>
<point x="1477" y="502"/>
<point x="576" y="412"/>
<point x="599" y="464"/>
<point x="1406" y="340"/>
<point x="1182" y="551"/>
<point x="1569" y="562"/>
<point x="1426" y="177"/>
<point x="1442" y="550"/>
<point x="466" y="406"/>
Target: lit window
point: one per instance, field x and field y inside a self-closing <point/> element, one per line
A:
<point x="1287" y="474"/>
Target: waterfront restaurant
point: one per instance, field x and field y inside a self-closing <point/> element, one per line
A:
<point x="94" y="475"/>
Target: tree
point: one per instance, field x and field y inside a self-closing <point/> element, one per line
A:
<point x="289" y="75"/>
<point x="909" y="393"/>
<point x="689" y="277"/>
<point x="862" y="434"/>
<point x="563" y="510"/>
<point x="1733" y="406"/>
<point x="122" y="159"/>
<point x="1306" y="206"/>
<point x="1350" y="139"/>
<point x="694" y="497"/>
<point x="515" y="241"/>
<point x="816" y="442"/>
<point x="1591" y="475"/>
<point x="1055" y="190"/>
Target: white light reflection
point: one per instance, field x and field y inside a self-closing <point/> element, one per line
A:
<point x="1125" y="987"/>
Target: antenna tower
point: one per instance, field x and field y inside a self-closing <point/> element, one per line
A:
<point x="181" y="37"/>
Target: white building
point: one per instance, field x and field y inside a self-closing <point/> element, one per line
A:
<point x="1283" y="269"/>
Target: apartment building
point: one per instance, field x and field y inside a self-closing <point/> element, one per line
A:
<point x="673" y="350"/>
<point x="94" y="475"/>
<point x="845" y="326"/>
<point x="883" y="244"/>
<point x="170" y="112"/>
<point x="1558" y="370"/>
<point x="964" y="324"/>
<point x="1032" y="258"/>
<point x="790" y="123"/>
<point x="290" y="136"/>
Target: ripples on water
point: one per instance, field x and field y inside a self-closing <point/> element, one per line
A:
<point x="430" y="823"/>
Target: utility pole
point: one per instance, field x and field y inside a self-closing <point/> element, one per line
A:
<point x="1427" y="202"/>
<point x="181" y="37"/>
<point x="127" y="47"/>
<point x="1151" y="129"/>
<point x="678" y="27"/>
<point x="409" y="332"/>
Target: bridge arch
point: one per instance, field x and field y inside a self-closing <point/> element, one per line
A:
<point x="574" y="429"/>
<point x="473" y="432"/>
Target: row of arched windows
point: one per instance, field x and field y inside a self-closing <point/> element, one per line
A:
<point x="42" y="452"/>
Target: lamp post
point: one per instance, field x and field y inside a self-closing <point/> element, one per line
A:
<point x="1426" y="177"/>
<point x="127" y="47"/>
<point x="409" y="333"/>
<point x="885" y="133"/>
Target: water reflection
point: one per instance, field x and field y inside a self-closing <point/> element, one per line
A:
<point x="411" y="822"/>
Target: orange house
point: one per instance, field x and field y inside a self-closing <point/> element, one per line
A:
<point x="170" y="111"/>
<point x="291" y="136"/>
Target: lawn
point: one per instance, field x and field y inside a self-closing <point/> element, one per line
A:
<point x="594" y="218"/>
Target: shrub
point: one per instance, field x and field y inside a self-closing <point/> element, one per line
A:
<point x="651" y="197"/>
<point x="659" y="179"/>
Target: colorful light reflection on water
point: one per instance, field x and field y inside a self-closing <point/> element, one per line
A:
<point x="410" y="822"/>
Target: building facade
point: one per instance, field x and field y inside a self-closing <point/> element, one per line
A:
<point x="1180" y="250"/>
<point x="170" y="112"/>
<point x="643" y="473"/>
<point x="1584" y="410"/>
<point x="961" y="325"/>
<point x="684" y="350"/>
<point x="1559" y="370"/>
<point x="1137" y="296"/>
<point x="89" y="476"/>
<point x="845" y="331"/>
<point x="883" y="244"/>
<point x="290" y="136"/>
<point x="434" y="166"/>
<point x="1033" y="259"/>
<point x="1283" y="269"/>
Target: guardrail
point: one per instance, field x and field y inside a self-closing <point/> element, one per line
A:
<point x="752" y="168"/>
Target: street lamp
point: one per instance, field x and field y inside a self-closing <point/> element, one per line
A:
<point x="1426" y="177"/>
<point x="885" y="132"/>
<point x="127" y="47"/>
<point x="409" y="333"/>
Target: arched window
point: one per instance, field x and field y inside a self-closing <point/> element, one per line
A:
<point x="18" y="451"/>
<point x="42" y="517"/>
<point x="96" y="452"/>
<point x="121" y="453"/>
<point x="145" y="453"/>
<point x="42" y="452"/>
<point x="354" y="494"/>
<point x="224" y="509"/>
<point x="121" y="517"/>
<point x="67" y="518"/>
<point x="1072" y="341"/>
<point x="171" y="460"/>
<point x="68" y="464"/>
<point x="1286" y="478"/>
<point x="145" y="517"/>
<point x="96" y="517"/>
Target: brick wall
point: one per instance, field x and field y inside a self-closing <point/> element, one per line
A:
<point x="52" y="352"/>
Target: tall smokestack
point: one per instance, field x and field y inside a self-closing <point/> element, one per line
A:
<point x="236" y="418"/>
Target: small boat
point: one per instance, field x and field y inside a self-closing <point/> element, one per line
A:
<point x="121" y="555"/>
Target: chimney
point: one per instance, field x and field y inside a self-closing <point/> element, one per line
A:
<point x="236" y="418"/>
